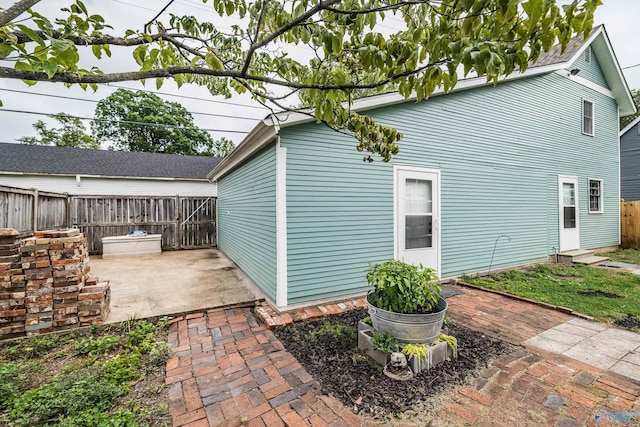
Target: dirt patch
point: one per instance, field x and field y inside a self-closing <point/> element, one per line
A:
<point x="328" y="350"/>
<point x="630" y="322"/>
<point x="599" y="294"/>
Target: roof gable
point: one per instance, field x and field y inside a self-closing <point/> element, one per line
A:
<point x="630" y="126"/>
<point x="38" y="159"/>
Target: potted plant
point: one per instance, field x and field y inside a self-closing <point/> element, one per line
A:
<point x="406" y="301"/>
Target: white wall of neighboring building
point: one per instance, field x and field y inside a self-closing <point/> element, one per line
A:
<point x="84" y="185"/>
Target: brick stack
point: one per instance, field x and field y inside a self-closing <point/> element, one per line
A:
<point x="38" y="274"/>
<point x="93" y="302"/>
<point x="12" y="284"/>
<point x="68" y="253"/>
<point x="45" y="284"/>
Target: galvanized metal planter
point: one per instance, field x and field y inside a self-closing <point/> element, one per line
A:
<point x="408" y="328"/>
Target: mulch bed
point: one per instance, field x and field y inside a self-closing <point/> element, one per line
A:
<point x="328" y="350"/>
<point x="630" y="322"/>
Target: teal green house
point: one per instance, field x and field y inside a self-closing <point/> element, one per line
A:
<point x="487" y="177"/>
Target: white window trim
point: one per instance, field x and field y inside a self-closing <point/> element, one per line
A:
<point x="593" y="117"/>
<point x="587" y="55"/>
<point x="601" y="211"/>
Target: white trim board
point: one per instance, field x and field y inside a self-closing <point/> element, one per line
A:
<point x="628" y="127"/>
<point x="281" y="225"/>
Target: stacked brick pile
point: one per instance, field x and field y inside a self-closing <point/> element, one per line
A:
<point x="58" y="292"/>
<point x="12" y="284"/>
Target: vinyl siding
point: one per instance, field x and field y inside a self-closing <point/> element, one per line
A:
<point x="590" y="70"/>
<point x="630" y="164"/>
<point x="500" y="150"/>
<point x="110" y="186"/>
<point x="247" y="219"/>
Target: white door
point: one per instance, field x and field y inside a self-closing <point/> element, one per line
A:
<point x="569" y="213"/>
<point x="417" y="193"/>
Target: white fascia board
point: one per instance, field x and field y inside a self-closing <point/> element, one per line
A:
<point x="84" y="175"/>
<point x="601" y="45"/>
<point x="585" y="82"/>
<point x="263" y="133"/>
<point x="629" y="126"/>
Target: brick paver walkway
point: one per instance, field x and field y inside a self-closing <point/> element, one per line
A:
<point x="229" y="369"/>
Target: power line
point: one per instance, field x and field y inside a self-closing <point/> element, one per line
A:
<point x="186" y="97"/>
<point x="95" y="101"/>
<point x="631" y="66"/>
<point x="9" y="110"/>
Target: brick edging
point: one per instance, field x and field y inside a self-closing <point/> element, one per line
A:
<point x="559" y="308"/>
<point x="273" y="319"/>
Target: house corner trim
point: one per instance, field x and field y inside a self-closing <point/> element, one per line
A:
<point x="281" y="225"/>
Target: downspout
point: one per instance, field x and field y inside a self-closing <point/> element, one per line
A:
<point x="281" y="221"/>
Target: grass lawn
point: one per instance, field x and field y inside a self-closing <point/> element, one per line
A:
<point x="631" y="256"/>
<point x="562" y="285"/>
<point x="108" y="376"/>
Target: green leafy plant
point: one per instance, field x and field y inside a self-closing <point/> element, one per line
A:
<point x="419" y="350"/>
<point x="97" y="345"/>
<point x="367" y="320"/>
<point x="452" y="342"/>
<point x="384" y="342"/>
<point x="404" y="288"/>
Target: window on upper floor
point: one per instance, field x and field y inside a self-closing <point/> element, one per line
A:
<point x="587" y="54"/>
<point x="587" y="117"/>
<point x="595" y="195"/>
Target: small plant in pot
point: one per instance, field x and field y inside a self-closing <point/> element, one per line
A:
<point x="406" y="301"/>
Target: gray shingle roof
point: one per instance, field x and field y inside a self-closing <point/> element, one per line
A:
<point x="74" y="161"/>
<point x="555" y="56"/>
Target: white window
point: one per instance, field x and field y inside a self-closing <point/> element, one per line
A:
<point x="595" y="195"/>
<point x="587" y="54"/>
<point x="587" y="117"/>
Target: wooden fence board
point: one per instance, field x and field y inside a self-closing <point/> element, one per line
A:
<point x="184" y="222"/>
<point x="630" y="224"/>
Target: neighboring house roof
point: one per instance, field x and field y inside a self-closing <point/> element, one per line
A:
<point x="552" y="61"/>
<point x="630" y="126"/>
<point x="39" y="159"/>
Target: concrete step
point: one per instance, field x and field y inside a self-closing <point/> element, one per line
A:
<point x="590" y="260"/>
<point x="577" y="253"/>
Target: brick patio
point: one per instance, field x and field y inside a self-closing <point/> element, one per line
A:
<point x="228" y="368"/>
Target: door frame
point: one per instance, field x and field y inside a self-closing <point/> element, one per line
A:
<point x="561" y="180"/>
<point x="436" y="213"/>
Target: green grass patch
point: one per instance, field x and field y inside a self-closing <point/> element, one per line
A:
<point x="632" y="256"/>
<point x="562" y="285"/>
<point x="111" y="376"/>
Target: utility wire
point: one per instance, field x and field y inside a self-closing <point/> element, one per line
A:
<point x="96" y="101"/>
<point x="184" y="96"/>
<point x="631" y="66"/>
<point x="8" y="110"/>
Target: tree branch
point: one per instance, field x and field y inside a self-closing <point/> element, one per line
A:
<point x="168" y="72"/>
<point x="158" y="15"/>
<point x="280" y="31"/>
<point x="93" y="40"/>
<point x="17" y="9"/>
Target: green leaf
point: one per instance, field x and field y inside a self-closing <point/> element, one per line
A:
<point x="139" y="54"/>
<point x="23" y="66"/>
<point x="213" y="62"/>
<point x="159" y="82"/>
<point x="31" y="34"/>
<point x="5" y="50"/>
<point x="97" y="51"/>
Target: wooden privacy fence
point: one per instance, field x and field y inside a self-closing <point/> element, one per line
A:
<point x="184" y="222"/>
<point x="29" y="210"/>
<point x="630" y="224"/>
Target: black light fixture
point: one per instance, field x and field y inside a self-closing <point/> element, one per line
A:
<point x="574" y="71"/>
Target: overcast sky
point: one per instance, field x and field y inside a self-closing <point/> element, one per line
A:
<point x="619" y="16"/>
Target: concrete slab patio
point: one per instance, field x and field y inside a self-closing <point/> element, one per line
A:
<point x="172" y="282"/>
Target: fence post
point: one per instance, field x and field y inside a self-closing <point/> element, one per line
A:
<point x="178" y="232"/>
<point x="36" y="196"/>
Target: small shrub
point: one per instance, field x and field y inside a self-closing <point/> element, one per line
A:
<point x="404" y="288"/>
<point x="92" y="345"/>
<point x="452" y="342"/>
<point x="142" y="337"/>
<point x="384" y="342"/>
<point x="123" y="368"/>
